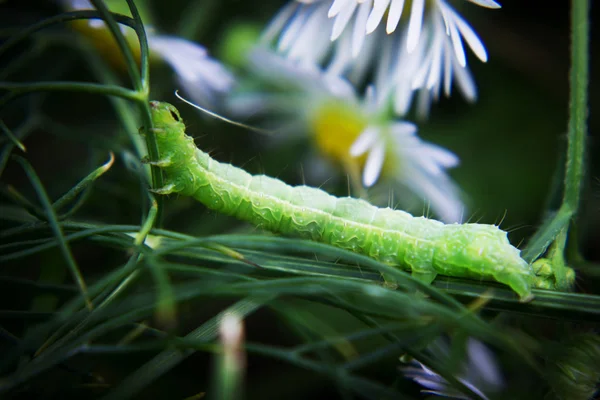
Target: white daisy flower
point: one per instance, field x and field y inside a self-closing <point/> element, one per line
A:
<point x="352" y="132"/>
<point x="203" y="78"/>
<point x="480" y="372"/>
<point x="418" y="47"/>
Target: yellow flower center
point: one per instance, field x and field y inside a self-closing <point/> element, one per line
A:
<point x="335" y="127"/>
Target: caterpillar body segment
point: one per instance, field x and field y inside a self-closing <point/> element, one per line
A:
<point x="426" y="247"/>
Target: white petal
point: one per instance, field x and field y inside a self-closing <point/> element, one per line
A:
<point x="471" y="37"/>
<point x="415" y="23"/>
<point x="337" y="6"/>
<point x="439" y="191"/>
<point x="465" y="81"/>
<point x="291" y="32"/>
<point x="423" y="104"/>
<point x="435" y="158"/>
<point x="459" y="50"/>
<point x="359" y="31"/>
<point x="342" y="20"/>
<point x="278" y="23"/>
<point x="374" y="164"/>
<point x="370" y="99"/>
<point x="312" y="43"/>
<point x="437" y="51"/>
<point x="402" y="99"/>
<point x="376" y="15"/>
<point x="394" y="14"/>
<point x="486" y="3"/>
<point x="404" y="129"/>
<point x="483" y="362"/>
<point x="447" y="72"/>
<point x="199" y="75"/>
<point x="364" y="142"/>
<point x="342" y="58"/>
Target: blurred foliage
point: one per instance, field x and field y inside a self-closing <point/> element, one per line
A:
<point x="317" y="320"/>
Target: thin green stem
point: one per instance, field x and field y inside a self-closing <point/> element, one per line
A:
<point x="157" y="177"/>
<point x="144" y="50"/>
<point x="577" y="130"/>
<point x="20" y="89"/>
<point x="132" y="67"/>
<point x="16" y="142"/>
<point x="83" y="184"/>
<point x="578" y="106"/>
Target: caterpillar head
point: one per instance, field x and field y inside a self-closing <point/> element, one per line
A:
<point x="176" y="150"/>
<point x="165" y="117"/>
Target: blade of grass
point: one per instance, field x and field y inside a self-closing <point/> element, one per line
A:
<point x="83" y="184"/>
<point x="13" y="194"/>
<point x="11" y="136"/>
<point x="53" y="221"/>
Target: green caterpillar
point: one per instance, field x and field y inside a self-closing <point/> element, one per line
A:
<point x="427" y="247"/>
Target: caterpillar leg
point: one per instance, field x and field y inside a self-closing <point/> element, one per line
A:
<point x="167" y="189"/>
<point x="424" y="276"/>
<point x="162" y="163"/>
<point x="518" y="283"/>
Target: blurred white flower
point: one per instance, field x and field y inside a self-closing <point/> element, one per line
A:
<point x="203" y="78"/>
<point x="351" y="132"/>
<point x="479" y="372"/>
<point x="420" y="48"/>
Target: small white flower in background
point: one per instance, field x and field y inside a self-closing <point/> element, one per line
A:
<point x="203" y="78"/>
<point x="480" y="372"/>
<point x="350" y="131"/>
<point x="419" y="47"/>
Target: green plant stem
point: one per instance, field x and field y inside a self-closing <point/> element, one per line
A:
<point x="578" y="105"/>
<point x="157" y="177"/>
<point x="20" y="89"/>
<point x="144" y="50"/>
<point x="113" y="26"/>
<point x="576" y="135"/>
